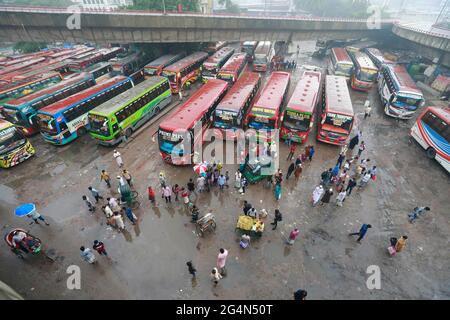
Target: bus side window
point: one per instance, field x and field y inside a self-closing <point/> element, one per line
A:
<point x="115" y="127"/>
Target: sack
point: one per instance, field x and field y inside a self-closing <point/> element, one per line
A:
<point x="374" y="177"/>
<point x="392" y="251"/>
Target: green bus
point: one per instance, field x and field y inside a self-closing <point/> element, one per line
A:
<point x="117" y="118"/>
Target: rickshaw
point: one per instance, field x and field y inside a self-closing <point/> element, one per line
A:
<point x="30" y="244"/>
<point x="206" y="223"/>
<point x="128" y="196"/>
<point x="254" y="227"/>
<point x="253" y="170"/>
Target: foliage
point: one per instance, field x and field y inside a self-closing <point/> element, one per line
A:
<point x="230" y="6"/>
<point x="29" y="47"/>
<point x="171" y="5"/>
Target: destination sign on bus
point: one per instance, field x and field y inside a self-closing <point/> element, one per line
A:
<point x="169" y="136"/>
<point x="338" y="119"/>
<point x="7" y="131"/>
<point x="298" y="116"/>
<point x="226" y="115"/>
<point x="263" y="110"/>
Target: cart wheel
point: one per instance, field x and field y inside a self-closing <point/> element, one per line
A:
<point x="213" y="225"/>
<point x="199" y="231"/>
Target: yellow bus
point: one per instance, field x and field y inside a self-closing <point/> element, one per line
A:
<point x="14" y="147"/>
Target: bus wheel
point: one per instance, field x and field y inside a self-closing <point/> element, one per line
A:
<point x="431" y="153"/>
<point x="128" y="132"/>
<point x="81" y="131"/>
<point x="157" y="110"/>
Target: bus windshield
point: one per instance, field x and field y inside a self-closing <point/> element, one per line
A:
<point x="344" y="68"/>
<point x="99" y="124"/>
<point x="225" y="119"/>
<point x="413" y="103"/>
<point x="169" y="75"/>
<point x="47" y="123"/>
<point x="260" y="59"/>
<point x="297" y="120"/>
<point x="10" y="138"/>
<point x="339" y="120"/>
<point x="258" y="123"/>
<point x="366" y="75"/>
<point x="168" y="140"/>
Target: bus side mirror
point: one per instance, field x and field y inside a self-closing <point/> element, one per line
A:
<point x="311" y="124"/>
<point x="322" y="121"/>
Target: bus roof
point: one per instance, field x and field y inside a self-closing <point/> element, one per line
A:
<point x="49" y="90"/>
<point x="122" y="60"/>
<point x="443" y="113"/>
<point x="219" y="54"/>
<point x="186" y="61"/>
<point x="73" y="99"/>
<point x="234" y="61"/>
<point x="338" y="96"/>
<point x="263" y="47"/>
<point x="97" y="66"/>
<point x="250" y="43"/>
<point x="5" y="124"/>
<point x="195" y="106"/>
<point x="363" y="61"/>
<point x="237" y="95"/>
<point x="274" y="89"/>
<point x="163" y="60"/>
<point x="305" y="93"/>
<point x="341" y="55"/>
<point x="24" y="82"/>
<point x="403" y="80"/>
<point x="118" y="101"/>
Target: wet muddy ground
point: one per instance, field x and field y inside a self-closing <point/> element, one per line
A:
<point x="148" y="260"/>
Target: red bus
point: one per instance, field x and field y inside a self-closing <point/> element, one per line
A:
<point x="80" y="63"/>
<point x="233" y="68"/>
<point x="230" y="113"/>
<point x="184" y="71"/>
<point x="249" y="48"/>
<point x="198" y="108"/>
<point x="336" y="120"/>
<point x="298" y="118"/>
<point x="8" y="73"/>
<point x="155" y="67"/>
<point x="213" y="64"/>
<point x="340" y="63"/>
<point x="365" y="72"/>
<point x="265" y="113"/>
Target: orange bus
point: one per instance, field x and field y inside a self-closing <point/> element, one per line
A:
<point x="337" y="116"/>
<point x="230" y="113"/>
<point x="198" y="108"/>
<point x="298" y="118"/>
<point x="265" y="113"/>
<point x="233" y="68"/>
<point x="184" y="71"/>
<point x="264" y="53"/>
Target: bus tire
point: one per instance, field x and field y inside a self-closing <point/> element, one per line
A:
<point x="431" y="153"/>
<point x="128" y="132"/>
<point x="81" y="131"/>
<point x="157" y="110"/>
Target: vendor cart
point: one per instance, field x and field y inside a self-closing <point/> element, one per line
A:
<point x="206" y="223"/>
<point x="254" y="227"/>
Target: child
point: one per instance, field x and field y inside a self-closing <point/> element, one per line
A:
<point x="191" y="268"/>
<point x="151" y="195"/>
<point x="89" y="204"/>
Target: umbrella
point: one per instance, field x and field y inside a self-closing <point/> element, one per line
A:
<point x="200" y="168"/>
<point x="25" y="209"/>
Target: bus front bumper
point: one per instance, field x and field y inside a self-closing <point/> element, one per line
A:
<point x="398" y="113"/>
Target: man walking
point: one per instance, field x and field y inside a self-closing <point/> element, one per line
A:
<point x="311" y="152"/>
<point x="87" y="255"/>
<point x="417" y="212"/>
<point x="130" y="215"/>
<point x="340" y="159"/>
<point x="118" y="158"/>
<point x="105" y="176"/>
<point x="191" y="268"/>
<point x="221" y="181"/>
<point x="290" y="170"/>
<point x="292" y="149"/>
<point x="95" y="194"/>
<point x="351" y="185"/>
<point x="278" y="217"/>
<point x="100" y="248"/>
<point x="367" y="109"/>
<point x="221" y="260"/>
<point x="37" y="216"/>
<point x="362" y="232"/>
<point x="361" y="148"/>
<point x="292" y="236"/>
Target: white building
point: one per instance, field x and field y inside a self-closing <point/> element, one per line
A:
<point x="102" y="4"/>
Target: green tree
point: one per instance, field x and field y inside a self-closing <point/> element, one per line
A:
<point x="29" y="47"/>
<point x="171" y="5"/>
<point x="230" y="6"/>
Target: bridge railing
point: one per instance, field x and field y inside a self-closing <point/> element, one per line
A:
<point x="418" y="30"/>
<point x="43" y="9"/>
